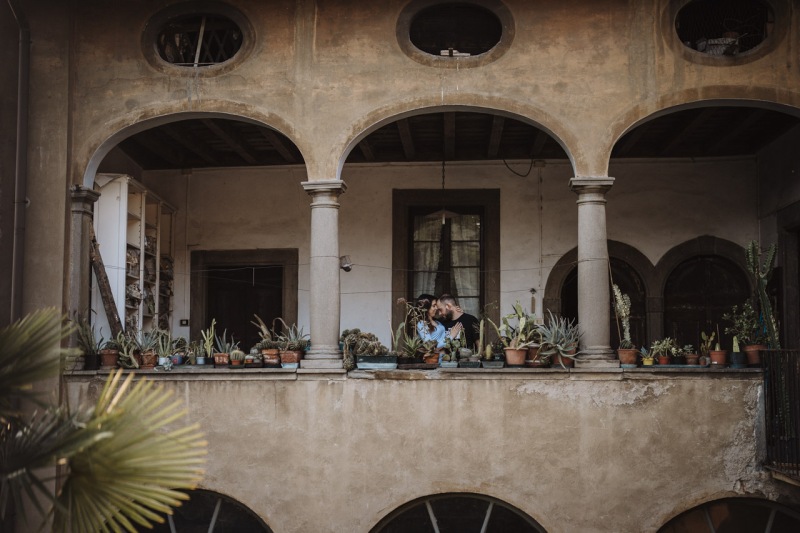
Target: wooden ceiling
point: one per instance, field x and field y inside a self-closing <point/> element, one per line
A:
<point x="456" y="136"/>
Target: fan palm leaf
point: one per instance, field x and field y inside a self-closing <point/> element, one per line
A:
<point x="135" y="475"/>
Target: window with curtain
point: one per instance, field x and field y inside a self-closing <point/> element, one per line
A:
<point x="447" y="254"/>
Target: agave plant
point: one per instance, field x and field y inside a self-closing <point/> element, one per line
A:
<point x="560" y="336"/>
<point x="113" y="481"/>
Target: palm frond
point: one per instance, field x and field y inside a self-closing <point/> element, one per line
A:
<point x="135" y="475"/>
<point x="29" y="352"/>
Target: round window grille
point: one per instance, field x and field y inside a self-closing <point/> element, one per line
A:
<point x="455" y="30"/>
<point x="199" y="40"/>
<point x="728" y="28"/>
<point x="735" y="515"/>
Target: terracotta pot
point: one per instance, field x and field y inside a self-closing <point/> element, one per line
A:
<point x="291" y="356"/>
<point x="222" y="359"/>
<point x="149" y="359"/>
<point x="663" y="359"/>
<point x="236" y="362"/>
<point x="568" y="362"/>
<point x="753" y="352"/>
<point x="109" y="359"/>
<point x="534" y="358"/>
<point x="431" y="358"/>
<point x="627" y="356"/>
<point x="271" y="357"/>
<point x="515" y="357"/>
<point x="692" y="359"/>
<point x="718" y="357"/>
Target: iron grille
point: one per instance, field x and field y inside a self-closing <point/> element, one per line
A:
<point x="199" y="40"/>
<point x="782" y="405"/>
<point x="724" y="28"/>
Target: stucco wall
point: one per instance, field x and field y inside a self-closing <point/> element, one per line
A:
<point x="653" y="206"/>
<point x="577" y="451"/>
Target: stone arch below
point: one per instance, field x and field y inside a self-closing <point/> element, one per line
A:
<point x="211" y="510"/>
<point x="738" y="514"/>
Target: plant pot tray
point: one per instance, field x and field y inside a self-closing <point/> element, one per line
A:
<point x="469" y="364"/>
<point x="492" y="364"/>
<point x="677" y="366"/>
<point x="417" y="366"/>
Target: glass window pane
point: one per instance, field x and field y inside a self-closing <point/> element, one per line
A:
<point x="466" y="254"/>
<point x="466" y="228"/>
<point x="459" y="514"/>
<point x="424" y="282"/>
<point x="471" y="306"/>
<point x="415" y="519"/>
<point x="427" y="229"/>
<point x="467" y="282"/>
<point x="426" y="255"/>
<point x="733" y="516"/>
<point x="504" y="519"/>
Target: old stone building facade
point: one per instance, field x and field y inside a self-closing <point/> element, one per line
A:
<point x="653" y="139"/>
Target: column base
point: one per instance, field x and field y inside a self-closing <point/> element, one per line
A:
<point x="322" y="364"/>
<point x="322" y="357"/>
<point x="596" y="363"/>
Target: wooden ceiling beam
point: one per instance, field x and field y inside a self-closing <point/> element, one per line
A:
<point x="494" y="137"/>
<point x="190" y="142"/>
<point x="538" y="142"/>
<point x="734" y="133"/>
<point x="278" y="144"/>
<point x="404" y="128"/>
<point x="449" y="141"/>
<point x="679" y="137"/>
<point x="366" y="150"/>
<point x="232" y="139"/>
<point x="162" y="150"/>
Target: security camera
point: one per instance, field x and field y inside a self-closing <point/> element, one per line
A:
<point x="345" y="264"/>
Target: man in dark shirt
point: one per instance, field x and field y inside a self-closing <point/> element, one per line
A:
<point x="455" y="320"/>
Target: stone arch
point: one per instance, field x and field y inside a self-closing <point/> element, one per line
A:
<point x="377" y="118"/>
<point x="617" y="250"/>
<point x="768" y="98"/>
<point x="105" y="140"/>
<point x="483" y="510"/>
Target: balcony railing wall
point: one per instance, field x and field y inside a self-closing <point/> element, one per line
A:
<point x="782" y="406"/>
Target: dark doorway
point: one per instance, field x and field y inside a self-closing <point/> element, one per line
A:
<point x="232" y="285"/>
<point x="237" y="292"/>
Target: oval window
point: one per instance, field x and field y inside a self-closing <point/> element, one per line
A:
<point x="199" y="40"/>
<point x="455" y="30"/>
<point x="727" y="28"/>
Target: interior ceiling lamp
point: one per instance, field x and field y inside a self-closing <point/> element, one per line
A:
<point x="443" y="213"/>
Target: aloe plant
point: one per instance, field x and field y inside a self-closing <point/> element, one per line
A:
<point x="622" y="306"/>
<point x="208" y="338"/>
<point x="521" y="336"/>
<point x="761" y="272"/>
<point x="560" y="336"/>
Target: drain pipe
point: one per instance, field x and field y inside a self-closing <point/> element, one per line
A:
<point x="21" y="167"/>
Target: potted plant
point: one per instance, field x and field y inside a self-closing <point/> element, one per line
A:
<point x="626" y="352"/>
<point x="487" y="354"/>
<point x="661" y="350"/>
<point x="268" y="345"/>
<point x="719" y="357"/>
<point x="88" y="342"/>
<point x="163" y="347"/>
<point x="367" y="350"/>
<point x="738" y="358"/>
<point x="128" y="348"/>
<point x="748" y="330"/>
<point x="692" y="358"/>
<point x="293" y="344"/>
<point x="647" y="357"/>
<point x="195" y="355"/>
<point x="560" y="338"/>
<point x="237" y="356"/>
<point x="109" y="354"/>
<point x="180" y="349"/>
<point x="223" y="348"/>
<point x="148" y="341"/>
<point x="208" y="343"/>
<point x="517" y="339"/>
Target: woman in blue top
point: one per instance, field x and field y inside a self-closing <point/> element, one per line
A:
<point x="430" y="329"/>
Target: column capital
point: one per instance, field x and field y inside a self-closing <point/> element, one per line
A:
<point x="591" y="184"/>
<point x="324" y="186"/>
<point x="82" y="199"/>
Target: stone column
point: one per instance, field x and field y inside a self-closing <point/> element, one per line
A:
<point x="324" y="297"/>
<point x="594" y="297"/>
<point x="80" y="267"/>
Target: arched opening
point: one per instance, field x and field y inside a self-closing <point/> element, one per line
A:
<point x="630" y="282"/>
<point x="696" y="295"/>
<point x="449" y="171"/>
<point x="735" y="515"/>
<point x="211" y="511"/>
<point x="457" y="512"/>
<point x="186" y="222"/>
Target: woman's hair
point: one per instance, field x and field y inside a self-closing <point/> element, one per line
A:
<point x="425" y="301"/>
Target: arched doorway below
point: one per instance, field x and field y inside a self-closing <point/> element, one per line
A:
<point x="735" y="515"/>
